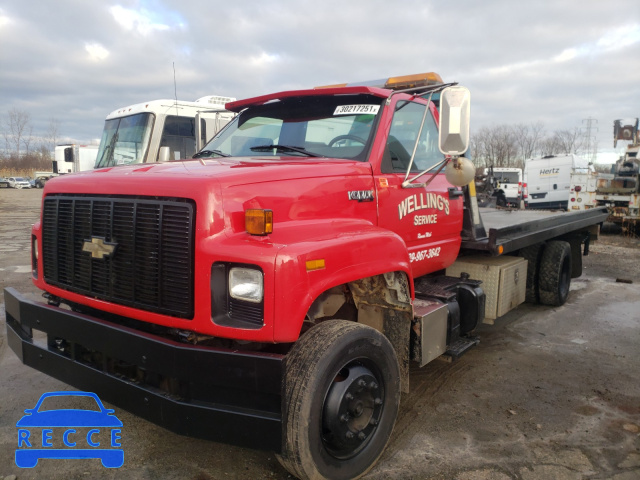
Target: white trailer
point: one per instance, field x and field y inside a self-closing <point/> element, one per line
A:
<point x="71" y="158"/>
<point x="161" y="130"/>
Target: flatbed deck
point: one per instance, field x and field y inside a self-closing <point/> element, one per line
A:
<point x="516" y="229"/>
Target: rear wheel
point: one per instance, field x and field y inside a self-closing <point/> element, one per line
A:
<point x="342" y="395"/>
<point x="555" y="273"/>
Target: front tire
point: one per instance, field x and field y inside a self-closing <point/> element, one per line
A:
<point x="342" y="393"/>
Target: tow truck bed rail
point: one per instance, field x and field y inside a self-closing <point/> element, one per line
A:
<point x="516" y="229"/>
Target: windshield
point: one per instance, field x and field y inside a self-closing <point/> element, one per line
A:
<point x="124" y="140"/>
<point x="506" y="177"/>
<point x="315" y="126"/>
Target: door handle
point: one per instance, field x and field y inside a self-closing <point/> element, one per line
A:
<point x="454" y="192"/>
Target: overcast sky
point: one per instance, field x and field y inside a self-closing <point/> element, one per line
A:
<point x="560" y="62"/>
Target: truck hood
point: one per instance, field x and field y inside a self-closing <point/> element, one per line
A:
<point x="179" y="178"/>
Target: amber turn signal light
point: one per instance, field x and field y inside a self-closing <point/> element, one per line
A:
<point x="258" y="222"/>
<point x="315" y="264"/>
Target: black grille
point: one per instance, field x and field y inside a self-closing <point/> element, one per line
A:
<point x="152" y="265"/>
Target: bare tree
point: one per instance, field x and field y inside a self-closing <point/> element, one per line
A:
<point x="496" y="146"/>
<point x="27" y="138"/>
<point x="528" y="138"/>
<point x="53" y="132"/>
<point x="568" y="141"/>
<point x="511" y="146"/>
<point x="474" y="150"/>
<point x="17" y="130"/>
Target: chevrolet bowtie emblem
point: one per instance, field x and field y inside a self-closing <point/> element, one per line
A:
<point x="98" y="247"/>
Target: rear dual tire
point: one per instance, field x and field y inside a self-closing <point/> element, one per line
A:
<point x="555" y="273"/>
<point x="549" y="272"/>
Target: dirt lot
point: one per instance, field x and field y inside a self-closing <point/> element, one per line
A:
<point x="550" y="393"/>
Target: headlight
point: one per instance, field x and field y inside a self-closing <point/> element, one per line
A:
<point x="246" y="284"/>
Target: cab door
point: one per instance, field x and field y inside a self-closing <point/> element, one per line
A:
<point x="427" y="217"/>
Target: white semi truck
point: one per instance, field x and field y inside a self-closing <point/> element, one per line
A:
<point x="160" y="130"/>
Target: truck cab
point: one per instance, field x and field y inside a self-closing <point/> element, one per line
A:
<point x="160" y="130"/>
<point x="345" y="134"/>
<point x="508" y="186"/>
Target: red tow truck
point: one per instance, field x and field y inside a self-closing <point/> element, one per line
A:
<point x="272" y="292"/>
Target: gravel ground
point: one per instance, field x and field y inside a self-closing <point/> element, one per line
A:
<point x="550" y="393"/>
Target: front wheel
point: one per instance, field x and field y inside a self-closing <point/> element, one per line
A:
<point x="342" y="394"/>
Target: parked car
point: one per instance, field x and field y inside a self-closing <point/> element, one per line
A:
<point x="19" y="182"/>
<point x="39" y="182"/>
<point x="4" y="183"/>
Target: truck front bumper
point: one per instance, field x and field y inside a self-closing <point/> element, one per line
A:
<point x="218" y="394"/>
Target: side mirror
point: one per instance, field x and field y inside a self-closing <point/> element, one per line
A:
<point x="453" y="138"/>
<point x="164" y="154"/>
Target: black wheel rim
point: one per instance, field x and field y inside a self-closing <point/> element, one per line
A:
<point x="352" y="409"/>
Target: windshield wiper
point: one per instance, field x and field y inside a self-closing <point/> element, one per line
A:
<point x="286" y="148"/>
<point x="207" y="153"/>
<point x="109" y="151"/>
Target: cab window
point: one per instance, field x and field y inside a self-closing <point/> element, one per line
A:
<point x="179" y="135"/>
<point x="403" y="136"/>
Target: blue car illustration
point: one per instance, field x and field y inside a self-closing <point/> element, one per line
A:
<point x="77" y="433"/>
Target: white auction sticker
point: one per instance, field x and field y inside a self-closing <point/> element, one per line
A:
<point x="355" y="109"/>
